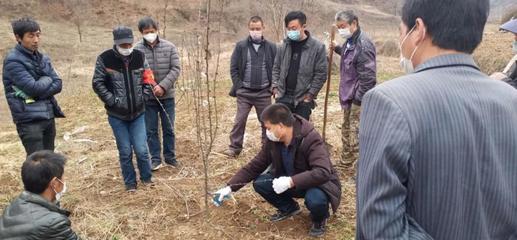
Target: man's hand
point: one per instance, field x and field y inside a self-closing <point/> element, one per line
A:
<point x="282" y="184"/>
<point x="275" y="92"/>
<point x="308" y="97"/>
<point x="221" y="195"/>
<point x="333" y="45"/>
<point x="158" y="91"/>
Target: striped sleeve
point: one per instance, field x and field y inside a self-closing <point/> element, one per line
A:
<point x="383" y="172"/>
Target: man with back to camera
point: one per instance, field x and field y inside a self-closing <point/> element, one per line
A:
<point x="437" y="146"/>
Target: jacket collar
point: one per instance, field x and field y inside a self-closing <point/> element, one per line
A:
<point x="27" y="52"/>
<point x="355" y="37"/>
<point x="250" y="41"/>
<point x="456" y="59"/>
<point x="37" y="199"/>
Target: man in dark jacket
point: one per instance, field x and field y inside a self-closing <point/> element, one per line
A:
<point x="358" y="75"/>
<point x="164" y="60"/>
<point x="30" y="83"/>
<point x="300" y="68"/>
<point x="36" y="214"/>
<point x="251" y="71"/>
<point x="300" y="168"/>
<point x="118" y="81"/>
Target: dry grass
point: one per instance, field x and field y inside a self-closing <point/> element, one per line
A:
<point x="172" y="209"/>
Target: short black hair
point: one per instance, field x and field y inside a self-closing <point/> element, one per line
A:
<point x="40" y="168"/>
<point x="278" y="113"/>
<point x="147" y="22"/>
<point x="24" y="25"/>
<point x="452" y="24"/>
<point x="255" y="19"/>
<point x="295" y="15"/>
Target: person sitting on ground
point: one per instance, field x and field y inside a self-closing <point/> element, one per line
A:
<point x="300" y="168"/>
<point x="36" y="213"/>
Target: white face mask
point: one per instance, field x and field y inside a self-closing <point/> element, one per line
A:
<point x="256" y="35"/>
<point x="150" y="37"/>
<point x="59" y="195"/>
<point x="405" y="63"/>
<point x="124" y="51"/>
<point x="514" y="47"/>
<point x="344" y="33"/>
<point x="271" y="136"/>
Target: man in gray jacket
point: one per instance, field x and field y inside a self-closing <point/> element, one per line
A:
<point x="36" y="214"/>
<point x="164" y="60"/>
<point x="300" y="68"/>
<point x="437" y="146"/>
<point x="251" y="71"/>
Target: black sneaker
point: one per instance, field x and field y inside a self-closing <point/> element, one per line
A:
<point x="131" y="188"/>
<point x="318" y="228"/>
<point x="156" y="165"/>
<point x="279" y="215"/>
<point x="173" y="163"/>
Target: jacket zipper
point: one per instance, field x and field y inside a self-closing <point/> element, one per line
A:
<point x="129" y="90"/>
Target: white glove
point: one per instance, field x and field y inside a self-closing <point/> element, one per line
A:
<point x="221" y="195"/>
<point x="281" y="184"/>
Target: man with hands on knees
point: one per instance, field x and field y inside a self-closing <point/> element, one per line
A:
<point x="300" y="168"/>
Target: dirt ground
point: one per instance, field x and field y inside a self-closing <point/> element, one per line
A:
<point x="172" y="209"/>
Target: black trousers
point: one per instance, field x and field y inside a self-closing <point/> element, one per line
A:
<point x="303" y="109"/>
<point x="38" y="135"/>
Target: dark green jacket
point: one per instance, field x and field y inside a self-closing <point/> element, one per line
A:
<point x="30" y="216"/>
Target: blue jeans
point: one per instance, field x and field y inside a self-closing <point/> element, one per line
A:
<point x="315" y="199"/>
<point x="130" y="135"/>
<point x="153" y="111"/>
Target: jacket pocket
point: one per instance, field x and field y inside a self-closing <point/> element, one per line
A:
<point x="38" y="106"/>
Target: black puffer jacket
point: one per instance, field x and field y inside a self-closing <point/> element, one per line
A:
<point x="34" y="75"/>
<point x="118" y="83"/>
<point x="30" y="216"/>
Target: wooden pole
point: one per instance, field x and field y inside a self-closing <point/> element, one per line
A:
<point x="329" y="74"/>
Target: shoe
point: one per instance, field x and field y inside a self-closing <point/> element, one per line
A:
<point x="131" y="188"/>
<point x="318" y="228"/>
<point x="148" y="183"/>
<point x="156" y="165"/>
<point x="279" y="215"/>
<point x="173" y="163"/>
<point x="231" y="153"/>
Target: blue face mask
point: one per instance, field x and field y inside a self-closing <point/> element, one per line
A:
<point x="294" y="35"/>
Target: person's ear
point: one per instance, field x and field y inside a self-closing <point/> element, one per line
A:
<point x="17" y="37"/>
<point x="56" y="184"/>
<point x="421" y="31"/>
